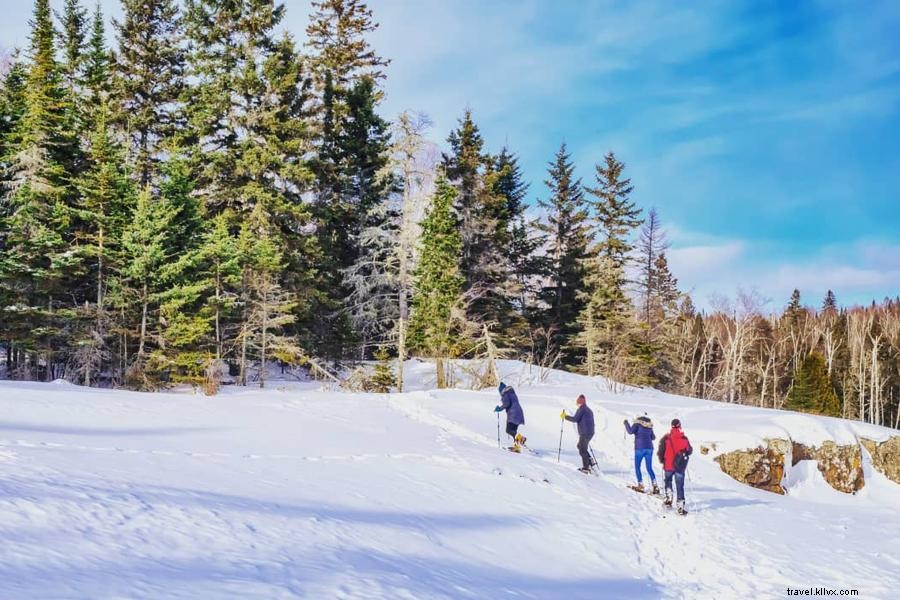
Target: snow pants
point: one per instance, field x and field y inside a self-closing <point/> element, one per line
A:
<point x="645" y="455"/>
<point x="583" y="442"/>
<point x="511" y="429"/>
<point x="679" y="482"/>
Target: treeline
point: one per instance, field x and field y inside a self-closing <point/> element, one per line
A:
<point x="209" y="197"/>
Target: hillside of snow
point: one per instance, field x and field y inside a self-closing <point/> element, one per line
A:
<point x="301" y="492"/>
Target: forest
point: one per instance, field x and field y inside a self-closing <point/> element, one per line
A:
<point x="210" y="196"/>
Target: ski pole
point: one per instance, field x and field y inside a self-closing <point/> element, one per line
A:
<point x="558" y="452"/>
<point x="499" y="445"/>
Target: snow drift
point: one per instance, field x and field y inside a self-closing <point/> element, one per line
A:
<point x="298" y="492"/>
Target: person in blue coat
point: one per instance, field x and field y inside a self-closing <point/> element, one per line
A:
<point x="584" y="417"/>
<point x="642" y="430"/>
<point x="514" y="415"/>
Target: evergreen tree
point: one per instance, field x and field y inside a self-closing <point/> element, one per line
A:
<point x="74" y="32"/>
<point x="97" y="62"/>
<point x="36" y="260"/>
<point x="438" y="281"/>
<point x="268" y="308"/>
<point x="520" y="238"/>
<point x="219" y="269"/>
<point x="611" y="335"/>
<point x="101" y="213"/>
<point x="615" y="213"/>
<point x="149" y="80"/>
<point x="829" y="304"/>
<point x="249" y="125"/>
<point x="482" y="209"/>
<point x="141" y="281"/>
<point x="567" y="231"/>
<point x="812" y="390"/>
<point x="337" y="35"/>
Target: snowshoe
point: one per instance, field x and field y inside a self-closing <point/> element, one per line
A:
<point x="681" y="510"/>
<point x="655" y="490"/>
<point x="515" y="449"/>
<point x="668" y="501"/>
<point x="585" y="470"/>
<point x="638" y="488"/>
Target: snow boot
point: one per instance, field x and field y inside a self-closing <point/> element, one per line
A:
<point x="655" y="490"/>
<point x="520" y="439"/>
<point x="515" y="448"/>
<point x="668" y="500"/>
<point x="681" y="510"/>
<point x="585" y="470"/>
<point x="639" y="487"/>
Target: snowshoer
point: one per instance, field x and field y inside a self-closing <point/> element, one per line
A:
<point x="514" y="415"/>
<point x="674" y="450"/>
<point x="642" y="430"/>
<point x="584" y="416"/>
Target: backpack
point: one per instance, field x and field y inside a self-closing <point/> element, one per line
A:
<point x="681" y="459"/>
<point x="661" y="449"/>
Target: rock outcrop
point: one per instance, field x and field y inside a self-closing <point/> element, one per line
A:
<point x="761" y="467"/>
<point x="840" y="464"/>
<point x="885" y="456"/>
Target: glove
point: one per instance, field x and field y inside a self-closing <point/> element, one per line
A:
<point x="625" y="422"/>
<point x="498" y="409"/>
<point x="562" y="415"/>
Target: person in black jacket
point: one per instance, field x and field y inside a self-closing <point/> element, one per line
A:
<point x="584" y="416"/>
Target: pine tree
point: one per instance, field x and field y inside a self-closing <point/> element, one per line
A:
<point x="438" y="281"/>
<point x="149" y="80"/>
<point x="567" y="230"/>
<point x="812" y="390"/>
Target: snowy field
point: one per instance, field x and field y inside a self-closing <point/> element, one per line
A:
<point x="295" y="492"/>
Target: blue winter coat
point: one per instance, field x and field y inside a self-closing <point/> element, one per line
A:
<point x="510" y="403"/>
<point x="643" y="435"/>
<point x="585" y="419"/>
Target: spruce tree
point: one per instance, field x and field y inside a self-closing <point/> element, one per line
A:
<point x="101" y="213"/>
<point x="438" y="282"/>
<point x="97" y="62"/>
<point x="482" y="209"/>
<point x="829" y="304"/>
<point x="249" y="123"/>
<point x="615" y="213"/>
<point x="149" y="80"/>
<point x="36" y="261"/>
<point x="568" y="247"/>
<point x="812" y="390"/>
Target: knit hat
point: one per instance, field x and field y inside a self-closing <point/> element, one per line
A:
<point x="501" y="387"/>
<point x="676" y="423"/>
<point x="580" y="399"/>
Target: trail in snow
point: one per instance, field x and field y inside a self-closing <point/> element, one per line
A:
<point x="298" y="493"/>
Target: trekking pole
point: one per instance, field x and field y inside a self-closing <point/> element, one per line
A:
<point x="499" y="445"/>
<point x="561" y="425"/>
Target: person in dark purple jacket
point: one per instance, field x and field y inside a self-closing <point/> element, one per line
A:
<point x="584" y="416"/>
<point x="642" y="430"/>
<point x="514" y="415"/>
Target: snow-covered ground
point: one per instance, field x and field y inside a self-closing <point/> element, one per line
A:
<point x="294" y="492"/>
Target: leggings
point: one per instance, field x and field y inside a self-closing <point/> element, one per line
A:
<point x="645" y="455"/>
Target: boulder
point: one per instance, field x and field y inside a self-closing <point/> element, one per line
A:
<point x="761" y="467"/>
<point x="885" y="456"/>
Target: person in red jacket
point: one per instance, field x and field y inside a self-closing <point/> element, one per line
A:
<point x="674" y="450"/>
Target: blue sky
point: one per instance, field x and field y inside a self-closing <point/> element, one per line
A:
<point x="767" y="134"/>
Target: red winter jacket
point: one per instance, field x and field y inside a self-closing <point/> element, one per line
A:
<point x="675" y="442"/>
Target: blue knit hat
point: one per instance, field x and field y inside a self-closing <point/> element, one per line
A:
<point x="501" y="387"/>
